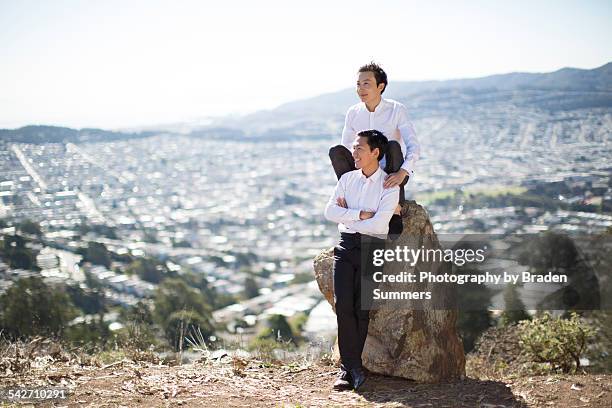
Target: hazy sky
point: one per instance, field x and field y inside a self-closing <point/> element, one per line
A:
<point x="126" y="63"/>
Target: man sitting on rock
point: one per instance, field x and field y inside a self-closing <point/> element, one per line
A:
<point x="391" y="119"/>
<point x="362" y="207"/>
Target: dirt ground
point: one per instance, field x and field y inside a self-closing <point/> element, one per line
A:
<point x="234" y="382"/>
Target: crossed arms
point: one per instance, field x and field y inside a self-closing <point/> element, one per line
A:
<point x="365" y="221"/>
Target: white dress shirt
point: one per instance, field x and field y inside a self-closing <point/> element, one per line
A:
<point x="367" y="194"/>
<point x="391" y="119"/>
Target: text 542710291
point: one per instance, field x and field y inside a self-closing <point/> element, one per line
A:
<point x="32" y="393"/>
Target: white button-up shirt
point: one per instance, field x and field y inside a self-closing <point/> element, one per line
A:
<point x="367" y="194"/>
<point x="391" y="119"/>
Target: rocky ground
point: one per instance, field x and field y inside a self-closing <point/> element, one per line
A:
<point x="237" y="382"/>
<point x="498" y="375"/>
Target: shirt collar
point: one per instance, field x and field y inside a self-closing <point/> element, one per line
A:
<point x="373" y="178"/>
<point x="381" y="105"/>
<point x="378" y="107"/>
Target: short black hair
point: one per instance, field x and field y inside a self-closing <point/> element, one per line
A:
<point x="379" y="74"/>
<point x="375" y="140"/>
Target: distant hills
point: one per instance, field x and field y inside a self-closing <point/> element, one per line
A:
<point x="565" y="89"/>
<point x="56" y="134"/>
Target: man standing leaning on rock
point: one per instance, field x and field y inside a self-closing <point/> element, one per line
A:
<point x="362" y="206"/>
<point x="391" y="119"/>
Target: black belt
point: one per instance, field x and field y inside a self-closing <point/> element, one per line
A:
<point x="358" y="238"/>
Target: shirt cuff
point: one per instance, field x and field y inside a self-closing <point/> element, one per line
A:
<point x="354" y="214"/>
<point x="408" y="167"/>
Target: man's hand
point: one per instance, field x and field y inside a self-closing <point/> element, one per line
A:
<point x="395" y="179"/>
<point x="364" y="215"/>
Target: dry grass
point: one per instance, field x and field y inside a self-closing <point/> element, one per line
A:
<point x="234" y="379"/>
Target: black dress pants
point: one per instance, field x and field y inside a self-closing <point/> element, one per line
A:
<point x="353" y="274"/>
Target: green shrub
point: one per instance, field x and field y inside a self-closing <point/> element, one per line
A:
<point x="514" y="308"/>
<point x="186" y="323"/>
<point x="180" y="309"/>
<point x="263" y="347"/>
<point x="90" y="336"/>
<point x="297" y="323"/>
<point x="277" y="328"/>
<point x="31" y="308"/>
<point x="30" y="227"/>
<point x="557" y="341"/>
<point x="137" y="336"/>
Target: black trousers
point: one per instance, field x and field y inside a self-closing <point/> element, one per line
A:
<point x="353" y="285"/>
<point x="343" y="162"/>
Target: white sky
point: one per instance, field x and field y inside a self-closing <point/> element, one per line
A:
<point x="114" y="64"/>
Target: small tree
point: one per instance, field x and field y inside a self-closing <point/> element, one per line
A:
<point x="473" y="300"/>
<point x="138" y="331"/>
<point x="277" y="328"/>
<point x="148" y="269"/>
<point x="182" y="324"/>
<point x="14" y="251"/>
<point x="30" y="227"/>
<point x="97" y="253"/>
<point x="514" y="308"/>
<point x="251" y="289"/>
<point x="559" y="342"/>
<point x="88" y="336"/>
<point x="179" y="307"/>
<point x="30" y="307"/>
<point x="277" y="334"/>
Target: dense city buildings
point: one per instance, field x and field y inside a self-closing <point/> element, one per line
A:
<point x="233" y="209"/>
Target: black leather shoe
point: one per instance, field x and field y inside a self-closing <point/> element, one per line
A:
<point x="344" y="380"/>
<point x="359" y="377"/>
<point x="342" y="385"/>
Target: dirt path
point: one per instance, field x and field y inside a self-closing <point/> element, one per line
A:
<point x="241" y="383"/>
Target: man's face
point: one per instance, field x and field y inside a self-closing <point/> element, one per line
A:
<point x="362" y="154"/>
<point x="366" y="87"/>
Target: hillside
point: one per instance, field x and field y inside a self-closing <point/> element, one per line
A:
<point x="57" y="134"/>
<point x="502" y="97"/>
<point x="480" y="98"/>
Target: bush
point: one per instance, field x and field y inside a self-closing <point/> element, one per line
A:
<point x="264" y="347"/>
<point x="186" y="324"/>
<point x="180" y="308"/>
<point x="277" y="334"/>
<point x="97" y="254"/>
<point x="30" y="227"/>
<point x="514" y="308"/>
<point x="251" y="289"/>
<point x="32" y="308"/>
<point x="89" y="337"/>
<point x="148" y="269"/>
<point x="297" y="323"/>
<point x="277" y="328"/>
<point x="556" y="341"/>
<point x="14" y="251"/>
<point x="137" y="336"/>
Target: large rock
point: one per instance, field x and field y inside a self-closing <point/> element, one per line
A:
<point x="419" y="343"/>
